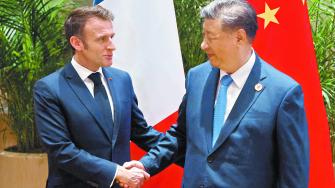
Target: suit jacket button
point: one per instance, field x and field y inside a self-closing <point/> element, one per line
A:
<point x="210" y="160"/>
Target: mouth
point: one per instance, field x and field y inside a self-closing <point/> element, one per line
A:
<point x="109" y="57"/>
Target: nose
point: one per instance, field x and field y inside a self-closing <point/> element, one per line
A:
<point x="204" y="45"/>
<point x="111" y="45"/>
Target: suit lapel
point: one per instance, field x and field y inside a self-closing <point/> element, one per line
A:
<point x="243" y="103"/>
<point x="80" y="89"/>
<point x="207" y="104"/>
<point x="111" y="85"/>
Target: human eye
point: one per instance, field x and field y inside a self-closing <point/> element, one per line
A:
<point x="102" y="39"/>
<point x="212" y="37"/>
<point x="209" y="37"/>
<point x="105" y="38"/>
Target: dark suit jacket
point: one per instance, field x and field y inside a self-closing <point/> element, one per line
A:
<point x="264" y="142"/>
<point x="83" y="151"/>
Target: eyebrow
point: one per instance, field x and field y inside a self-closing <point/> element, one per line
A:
<point x="210" y="33"/>
<point x="106" y="35"/>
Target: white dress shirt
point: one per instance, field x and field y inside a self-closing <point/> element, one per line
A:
<point x="83" y="74"/>
<point x="239" y="78"/>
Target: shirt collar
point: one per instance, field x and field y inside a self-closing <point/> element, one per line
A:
<point x="83" y="72"/>
<point x="241" y="75"/>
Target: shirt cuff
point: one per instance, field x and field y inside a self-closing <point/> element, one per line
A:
<point x="117" y="168"/>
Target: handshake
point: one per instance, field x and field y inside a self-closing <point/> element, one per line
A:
<point x="131" y="175"/>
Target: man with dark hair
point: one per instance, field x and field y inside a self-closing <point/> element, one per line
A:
<point x="86" y="113"/>
<point x="241" y="122"/>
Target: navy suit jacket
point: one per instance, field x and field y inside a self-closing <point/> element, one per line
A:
<point x="263" y="143"/>
<point x="83" y="150"/>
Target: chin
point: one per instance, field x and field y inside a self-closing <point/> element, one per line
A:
<point x="214" y="64"/>
<point x="108" y="64"/>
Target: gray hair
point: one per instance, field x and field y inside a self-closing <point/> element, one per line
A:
<point x="234" y="14"/>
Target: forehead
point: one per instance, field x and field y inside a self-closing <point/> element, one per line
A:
<point x="212" y="25"/>
<point x="97" y="26"/>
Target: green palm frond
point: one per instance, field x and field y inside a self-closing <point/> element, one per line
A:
<point x="190" y="31"/>
<point x="32" y="45"/>
<point x="322" y="16"/>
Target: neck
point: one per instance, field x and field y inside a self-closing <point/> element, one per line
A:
<point x="238" y="61"/>
<point x="83" y="62"/>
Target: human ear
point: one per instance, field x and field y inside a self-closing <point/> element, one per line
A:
<point x="241" y="36"/>
<point x="76" y="43"/>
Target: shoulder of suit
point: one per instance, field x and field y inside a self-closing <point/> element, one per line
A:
<point x="52" y="77"/>
<point x="116" y="72"/>
<point x="202" y="67"/>
<point x="276" y="76"/>
<point x="50" y="83"/>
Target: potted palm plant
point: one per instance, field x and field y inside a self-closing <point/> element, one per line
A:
<point x="322" y="14"/>
<point x="31" y="46"/>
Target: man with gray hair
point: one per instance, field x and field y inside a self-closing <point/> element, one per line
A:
<point x="241" y="123"/>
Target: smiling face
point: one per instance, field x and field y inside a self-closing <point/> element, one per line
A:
<point x="95" y="47"/>
<point x="219" y="44"/>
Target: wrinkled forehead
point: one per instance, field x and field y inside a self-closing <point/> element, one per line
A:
<point x="214" y="26"/>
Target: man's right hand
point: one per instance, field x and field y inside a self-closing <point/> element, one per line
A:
<point x="131" y="178"/>
<point x="132" y="164"/>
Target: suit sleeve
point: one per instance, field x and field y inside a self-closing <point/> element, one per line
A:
<point x="143" y="135"/>
<point x="55" y="136"/>
<point x="292" y="140"/>
<point x="172" y="147"/>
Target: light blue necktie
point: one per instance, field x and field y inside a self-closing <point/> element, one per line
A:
<point x="220" y="107"/>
